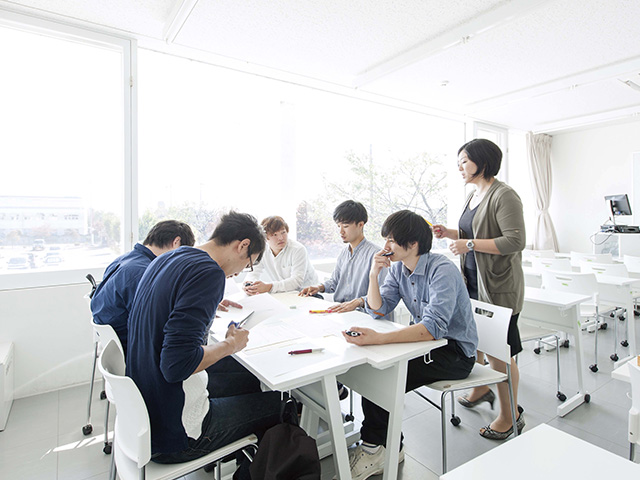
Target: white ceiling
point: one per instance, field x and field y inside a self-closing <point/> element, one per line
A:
<point x="541" y="65"/>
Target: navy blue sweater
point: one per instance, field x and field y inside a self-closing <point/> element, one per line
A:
<point x="172" y="312"/>
<point x="112" y="302"/>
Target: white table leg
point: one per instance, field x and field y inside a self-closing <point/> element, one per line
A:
<point x="341" y="459"/>
<point x="395" y="422"/>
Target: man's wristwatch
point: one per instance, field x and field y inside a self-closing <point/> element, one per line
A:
<point x="470" y="245"/>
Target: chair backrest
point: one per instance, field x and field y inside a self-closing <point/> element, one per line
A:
<point x="133" y="431"/>
<point x="632" y="263"/>
<point x="541" y="254"/>
<point x="105" y="334"/>
<point x="556" y="264"/>
<point x="577" y="258"/>
<point x="582" y="283"/>
<point x="492" y="323"/>
<point x="615" y="269"/>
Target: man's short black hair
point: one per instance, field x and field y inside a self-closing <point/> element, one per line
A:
<point x="162" y="234"/>
<point x="238" y="226"/>
<point x="350" y="211"/>
<point x="406" y="227"/>
<point x="485" y="154"/>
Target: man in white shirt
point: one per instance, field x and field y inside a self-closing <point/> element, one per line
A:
<point x="285" y="261"/>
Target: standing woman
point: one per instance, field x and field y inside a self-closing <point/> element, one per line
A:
<point x="490" y="239"/>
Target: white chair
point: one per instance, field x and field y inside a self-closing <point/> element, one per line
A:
<point x="584" y="284"/>
<point x="577" y="258"/>
<point x="541" y="254"/>
<point x="634" y="412"/>
<point x="556" y="264"/>
<point x="529" y="333"/>
<point x="616" y="270"/>
<point x="492" y="323"/>
<point x="132" y="436"/>
<point x="103" y="334"/>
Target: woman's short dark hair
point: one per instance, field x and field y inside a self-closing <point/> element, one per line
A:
<point x="238" y="226"/>
<point x="485" y="154"/>
<point x="162" y="234"/>
<point x="406" y="227"/>
<point x="274" y="224"/>
<point x="350" y="211"/>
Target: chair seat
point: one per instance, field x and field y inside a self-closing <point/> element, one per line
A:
<point x="480" y="375"/>
<point x="127" y="469"/>
<point x="531" y="332"/>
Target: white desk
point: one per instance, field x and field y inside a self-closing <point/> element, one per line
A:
<point x="622" y="372"/>
<point x="558" y="311"/>
<point x="541" y="450"/>
<point x="378" y="372"/>
<point x="612" y="290"/>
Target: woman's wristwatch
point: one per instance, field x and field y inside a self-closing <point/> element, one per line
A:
<point x="470" y="245"/>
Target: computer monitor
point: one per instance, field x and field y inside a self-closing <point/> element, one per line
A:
<point x="619" y="204"/>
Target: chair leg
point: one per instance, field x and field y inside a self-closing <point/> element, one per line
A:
<point x="87" y="429"/>
<point x="107" y="446"/>
<point x="512" y="402"/>
<point x="561" y="396"/>
<point x="632" y="446"/>
<point x="443" y="426"/>
<point x="219" y="470"/>
<point x="112" y="467"/>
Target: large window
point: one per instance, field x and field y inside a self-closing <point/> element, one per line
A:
<point x="63" y="121"/>
<point x="213" y="139"/>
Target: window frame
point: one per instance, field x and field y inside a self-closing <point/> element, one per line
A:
<point x="128" y="49"/>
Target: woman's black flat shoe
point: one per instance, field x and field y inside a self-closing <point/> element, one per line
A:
<point x="487" y="397"/>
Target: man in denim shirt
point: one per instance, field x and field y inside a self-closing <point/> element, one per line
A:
<point x="434" y="292"/>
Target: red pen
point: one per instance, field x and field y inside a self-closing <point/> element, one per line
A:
<point x="307" y="350"/>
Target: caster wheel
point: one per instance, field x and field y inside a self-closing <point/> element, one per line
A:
<point x="636" y="313"/>
<point x="604" y="326"/>
<point x="587" y="398"/>
<point x="593" y="368"/>
<point x="348" y="417"/>
<point x="621" y="318"/>
<point x="614" y="357"/>
<point x="455" y="421"/>
<point x="536" y="351"/>
<point x="612" y="315"/>
<point x="624" y="343"/>
<point x="107" y="449"/>
<point x="565" y="344"/>
<point x="87" y="429"/>
<point x="103" y="395"/>
<point x="561" y="396"/>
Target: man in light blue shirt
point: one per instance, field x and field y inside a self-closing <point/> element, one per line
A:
<point x="434" y="292"/>
<point x="350" y="278"/>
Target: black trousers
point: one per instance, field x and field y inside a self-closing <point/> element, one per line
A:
<point x="449" y="363"/>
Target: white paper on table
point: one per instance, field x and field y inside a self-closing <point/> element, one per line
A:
<point x="314" y="325"/>
<point x="278" y="362"/>
<point x="271" y="332"/>
<point x="234" y="314"/>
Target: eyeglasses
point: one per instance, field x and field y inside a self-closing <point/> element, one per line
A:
<point x="249" y="268"/>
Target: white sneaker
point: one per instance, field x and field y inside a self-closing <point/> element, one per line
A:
<point x="368" y="461"/>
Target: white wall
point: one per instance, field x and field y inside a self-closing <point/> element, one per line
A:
<point x="587" y="165"/>
<point x="50" y="329"/>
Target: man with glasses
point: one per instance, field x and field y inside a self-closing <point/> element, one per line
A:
<point x="198" y="397"/>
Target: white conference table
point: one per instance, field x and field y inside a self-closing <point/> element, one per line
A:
<point x="558" y="311"/>
<point x="545" y="451"/>
<point x="378" y="372"/>
<point x="614" y="291"/>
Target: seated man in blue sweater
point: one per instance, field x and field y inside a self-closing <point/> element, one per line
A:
<point x="198" y="397"/>
<point x="433" y="290"/>
<point x="113" y="299"/>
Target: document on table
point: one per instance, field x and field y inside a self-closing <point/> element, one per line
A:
<point x="234" y="314"/>
<point x="271" y="332"/>
<point x="277" y="362"/>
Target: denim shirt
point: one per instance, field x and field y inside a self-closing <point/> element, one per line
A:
<point x="436" y="296"/>
<point x="350" y="278"/>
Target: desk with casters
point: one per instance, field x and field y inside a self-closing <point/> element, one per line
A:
<point x="541" y="450"/>
<point x="559" y="311"/>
